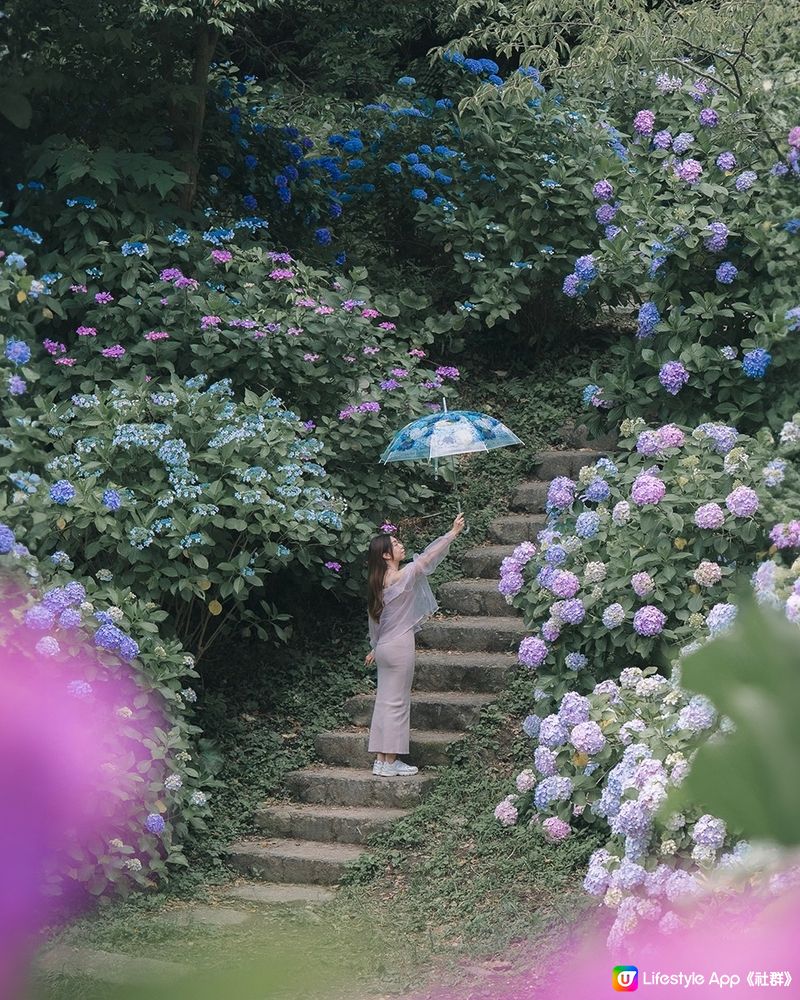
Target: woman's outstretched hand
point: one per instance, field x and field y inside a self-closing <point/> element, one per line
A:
<point x="369" y="658"/>
<point x="458" y="524"/>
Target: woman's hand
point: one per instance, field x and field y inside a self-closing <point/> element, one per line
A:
<point x="458" y="524"/>
<point x="369" y="659"/>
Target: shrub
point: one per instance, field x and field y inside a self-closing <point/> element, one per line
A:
<point x="640" y="553"/>
<point x="97" y="642"/>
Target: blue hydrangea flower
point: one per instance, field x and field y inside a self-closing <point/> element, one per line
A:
<point x="649" y="318"/>
<point x="112" y="500"/>
<point x="756" y="362"/>
<point x="587" y="524"/>
<point x="17" y="351"/>
<point x="62" y="492"/>
<point x="726" y="273"/>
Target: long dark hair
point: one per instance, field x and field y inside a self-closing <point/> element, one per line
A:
<point x="376" y="571"/>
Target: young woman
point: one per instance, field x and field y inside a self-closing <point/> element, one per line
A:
<point x="398" y="600"/>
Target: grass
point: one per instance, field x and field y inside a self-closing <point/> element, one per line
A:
<point x="447" y="882"/>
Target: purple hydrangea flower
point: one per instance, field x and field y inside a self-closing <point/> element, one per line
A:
<point x="709" y="515"/>
<point x="603" y="190"/>
<point x="718" y="238"/>
<point x="643" y="584"/>
<point x="671" y="436"/>
<point x="75" y="592"/>
<point x="155" y="823"/>
<point x="551" y="630"/>
<point x="544" y="761"/>
<point x="605" y="214"/>
<point x="561" y="493"/>
<point x="742" y="502"/>
<point x="689" y="170"/>
<point x="724" y="437"/>
<point x="647" y="489"/>
<point x="575" y="661"/>
<point x="552" y="732"/>
<point x="587" y="737"/>
<point x="7" y="539"/>
<point x="648" y="443"/>
<point x="572" y="612"/>
<point x="709" y="831"/>
<point x="726" y="161"/>
<point x="682" y="141"/>
<point x="699" y="714"/>
<point x="726" y="273"/>
<point x="746" y="180"/>
<point x="530" y="726"/>
<point x="662" y="140"/>
<point x="673" y="376"/>
<point x="708" y="118"/>
<point x="649" y="620"/>
<point x="69" y="618"/>
<point x="532" y="652"/>
<point x="565" y="584"/>
<point x="574" y="708"/>
<point x="39" y="618"/>
<point x="644" y="122"/>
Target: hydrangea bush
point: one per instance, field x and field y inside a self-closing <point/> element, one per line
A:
<point x="607" y="761"/>
<point x="644" y="551"/>
<point x="701" y="254"/>
<point x="212" y="304"/>
<point x="101" y="644"/>
<point x="166" y="488"/>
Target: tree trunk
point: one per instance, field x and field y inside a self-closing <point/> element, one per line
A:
<point x="189" y="117"/>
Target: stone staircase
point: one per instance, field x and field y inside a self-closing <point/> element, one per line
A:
<point x="463" y="661"/>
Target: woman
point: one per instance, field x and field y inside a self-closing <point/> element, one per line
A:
<point x="399" y="600"/>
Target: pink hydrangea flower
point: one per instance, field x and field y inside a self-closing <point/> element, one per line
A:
<point x="115" y="351"/>
<point x="281" y="274"/>
<point x="78" y="288"/>
<point x="506" y="812"/>
<point x="688" y="170"/>
<point x="387" y="326"/>
<point x="336" y="567"/>
<point x="388" y="528"/>
<point x="156" y="335"/>
<point x="311" y="357"/>
<point x="555" y="829"/>
<point x="103" y="298"/>
<point x="670" y="436"/>
<point x="221" y="256"/>
<point x="294" y="331"/>
<point x="709" y="515"/>
<point x="794" y="137"/>
<point x="208" y="321"/>
<point x="707" y="573"/>
<point x="86" y="331"/>
<point x="67" y="362"/>
<point x="399" y="372"/>
<point x="370" y="313"/>
<point x="415" y="352"/>
<point x="323" y="310"/>
<point x="525" y="780"/>
<point x="644" y="122"/>
<point x="370" y="350"/>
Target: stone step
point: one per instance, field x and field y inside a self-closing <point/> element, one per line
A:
<point x="218" y="917"/>
<point x="475" y="597"/>
<point x="511" y="529"/>
<point x="107" y="966"/>
<point x="332" y="824"/>
<point x="549" y="464"/>
<point x="347" y="786"/>
<point x="286" y="893"/>
<point x="348" y="747"/>
<point x="437" y="670"/>
<point x="297" y="861"/>
<point x="484" y="560"/>
<point x="530" y="496"/>
<point x="453" y="710"/>
<point x="492" y="635"/>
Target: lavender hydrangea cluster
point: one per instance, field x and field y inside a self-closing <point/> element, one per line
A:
<point x="647" y="489"/>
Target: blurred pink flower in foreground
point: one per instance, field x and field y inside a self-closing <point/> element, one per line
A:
<point x="59" y="737"/>
<point x="756" y="937"/>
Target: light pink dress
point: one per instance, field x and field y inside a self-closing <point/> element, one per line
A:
<point x="408" y="601"/>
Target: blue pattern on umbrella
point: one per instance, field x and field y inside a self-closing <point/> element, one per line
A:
<point x="453" y="432"/>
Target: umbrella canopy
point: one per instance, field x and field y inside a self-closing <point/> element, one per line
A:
<point x="453" y="432"/>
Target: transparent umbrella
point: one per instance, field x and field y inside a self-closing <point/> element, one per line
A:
<point x="445" y="435"/>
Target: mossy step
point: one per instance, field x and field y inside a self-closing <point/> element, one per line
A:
<point x="475" y="597"/>
<point x="347" y="786"/>
<point x="530" y="496"/>
<point x="107" y="966"/>
<point x="300" y="862"/>
<point x="452" y="710"/>
<point x="549" y="464"/>
<point x="331" y="824"/>
<point x="484" y="560"/>
<point x="272" y="894"/>
<point x="512" y="529"/>
<point x="472" y="634"/>
<point x="440" y="670"/>
<point x="348" y="747"/>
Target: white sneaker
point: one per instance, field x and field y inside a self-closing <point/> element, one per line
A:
<point x="377" y="767"/>
<point x="398" y="768"/>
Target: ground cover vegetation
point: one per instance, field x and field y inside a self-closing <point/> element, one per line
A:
<point x="256" y="231"/>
